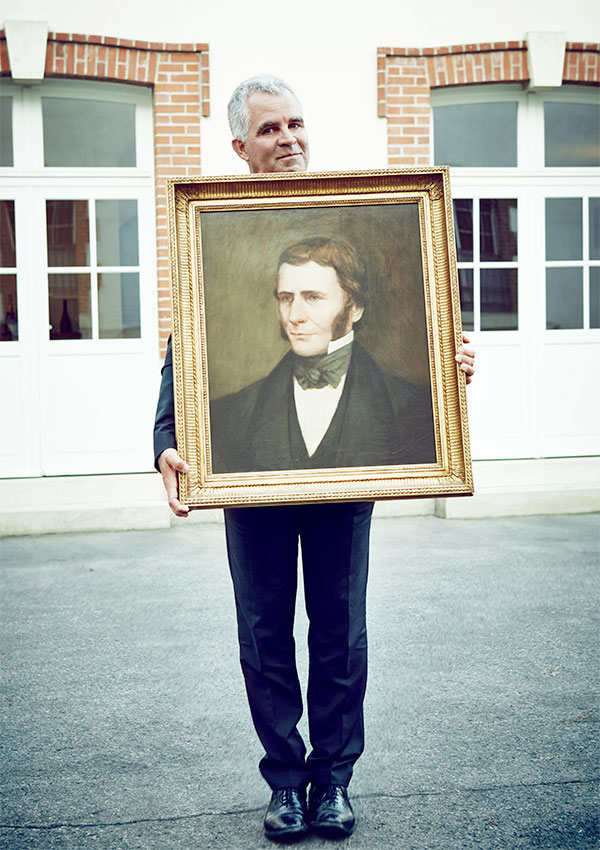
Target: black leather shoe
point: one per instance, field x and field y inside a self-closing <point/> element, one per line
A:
<point x="286" y="817"/>
<point x="331" y="814"/>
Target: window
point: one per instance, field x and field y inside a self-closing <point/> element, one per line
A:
<point x="572" y="267"/>
<point x="6" y="132"/>
<point x="487" y="264"/>
<point x="9" y="319"/>
<point x="571" y="134"/>
<point x="490" y="134"/>
<point x="93" y="271"/>
<point x="476" y="134"/>
<point x="89" y="133"/>
<point x="83" y="132"/>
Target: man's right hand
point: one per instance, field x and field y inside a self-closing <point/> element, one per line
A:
<point x="170" y="464"/>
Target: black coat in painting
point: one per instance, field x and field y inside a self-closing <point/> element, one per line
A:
<point x="380" y="420"/>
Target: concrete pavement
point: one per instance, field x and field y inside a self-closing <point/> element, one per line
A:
<point x="125" y="723"/>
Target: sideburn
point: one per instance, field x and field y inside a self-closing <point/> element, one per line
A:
<point x="340" y="323"/>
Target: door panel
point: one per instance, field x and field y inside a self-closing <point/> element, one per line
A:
<point x="500" y="406"/>
<point x="98" y="413"/>
<point x="535" y="393"/>
<point x="98" y="387"/>
<point x="570" y="400"/>
<point x="80" y="380"/>
<point x="19" y="436"/>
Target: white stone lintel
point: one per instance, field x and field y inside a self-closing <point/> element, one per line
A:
<point x="26" y="42"/>
<point x="546" y="59"/>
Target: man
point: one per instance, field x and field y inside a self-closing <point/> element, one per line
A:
<point x="326" y="403"/>
<point x="262" y="543"/>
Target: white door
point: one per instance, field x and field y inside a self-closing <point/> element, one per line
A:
<point x="20" y="449"/>
<point x="78" y="309"/>
<point x="568" y="345"/>
<point x="527" y="221"/>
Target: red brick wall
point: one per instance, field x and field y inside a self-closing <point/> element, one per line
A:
<point x="582" y="63"/>
<point x="406" y="75"/>
<point x="179" y="76"/>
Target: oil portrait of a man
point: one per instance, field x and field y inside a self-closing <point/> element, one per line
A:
<point x="327" y="403"/>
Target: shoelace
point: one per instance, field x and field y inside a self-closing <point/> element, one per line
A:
<point x="288" y="797"/>
<point x="333" y="793"/>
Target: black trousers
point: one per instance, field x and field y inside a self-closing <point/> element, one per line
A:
<point x="263" y="552"/>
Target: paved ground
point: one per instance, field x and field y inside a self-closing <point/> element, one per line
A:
<point x="125" y="721"/>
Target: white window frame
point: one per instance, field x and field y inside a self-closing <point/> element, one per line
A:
<point x="28" y="136"/>
<point x="530" y="124"/>
<point x="528" y="181"/>
<point x="31" y="178"/>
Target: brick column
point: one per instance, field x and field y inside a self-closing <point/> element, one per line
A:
<point x="404" y="98"/>
<point x="180" y="99"/>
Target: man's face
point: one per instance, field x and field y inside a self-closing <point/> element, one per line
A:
<point x="277" y="138"/>
<point x="313" y="307"/>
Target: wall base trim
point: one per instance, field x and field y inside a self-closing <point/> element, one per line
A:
<point x="136" y="502"/>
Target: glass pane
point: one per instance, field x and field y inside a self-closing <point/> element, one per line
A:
<point x="465" y="283"/>
<point x="119" y="305"/>
<point x="68" y="232"/>
<point x="564" y="234"/>
<point x="594" y="228"/>
<point x="8" y="251"/>
<point x="117" y="233"/>
<point x="6" y="132"/>
<point x="564" y="298"/>
<point x="9" y="323"/>
<point x="499" y="300"/>
<point x="475" y="134"/>
<point x="463" y="228"/>
<point x="498" y="229"/>
<point x="572" y="133"/>
<point x="69" y="302"/>
<point x="89" y="133"/>
<point x="595" y="297"/>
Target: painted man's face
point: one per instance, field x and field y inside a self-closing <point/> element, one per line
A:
<point x="277" y="138"/>
<point x="313" y="307"/>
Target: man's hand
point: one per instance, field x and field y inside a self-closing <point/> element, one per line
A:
<point x="466" y="357"/>
<point x="170" y="464"/>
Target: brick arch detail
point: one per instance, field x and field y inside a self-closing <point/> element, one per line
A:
<point x="406" y="76"/>
<point x="179" y="76"/>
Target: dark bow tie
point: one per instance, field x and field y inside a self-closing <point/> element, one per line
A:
<point x="322" y="370"/>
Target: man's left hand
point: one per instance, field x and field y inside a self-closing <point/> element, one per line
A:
<point x="466" y="357"/>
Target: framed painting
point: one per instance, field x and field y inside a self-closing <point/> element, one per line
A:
<point x="316" y="318"/>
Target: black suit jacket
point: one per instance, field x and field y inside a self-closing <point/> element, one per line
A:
<point x="164" y="422"/>
<point x="380" y="420"/>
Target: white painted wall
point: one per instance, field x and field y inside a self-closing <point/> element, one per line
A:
<point x="318" y="47"/>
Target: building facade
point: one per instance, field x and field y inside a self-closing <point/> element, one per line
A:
<point x="91" y="127"/>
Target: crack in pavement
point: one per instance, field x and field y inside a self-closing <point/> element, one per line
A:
<point x="374" y="795"/>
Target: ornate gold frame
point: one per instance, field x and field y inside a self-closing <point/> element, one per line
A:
<point x="430" y="189"/>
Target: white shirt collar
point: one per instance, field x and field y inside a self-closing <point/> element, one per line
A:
<point x="340" y="343"/>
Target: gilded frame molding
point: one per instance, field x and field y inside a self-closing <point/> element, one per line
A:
<point x="429" y="188"/>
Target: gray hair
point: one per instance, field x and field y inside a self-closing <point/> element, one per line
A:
<point x="237" y="110"/>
